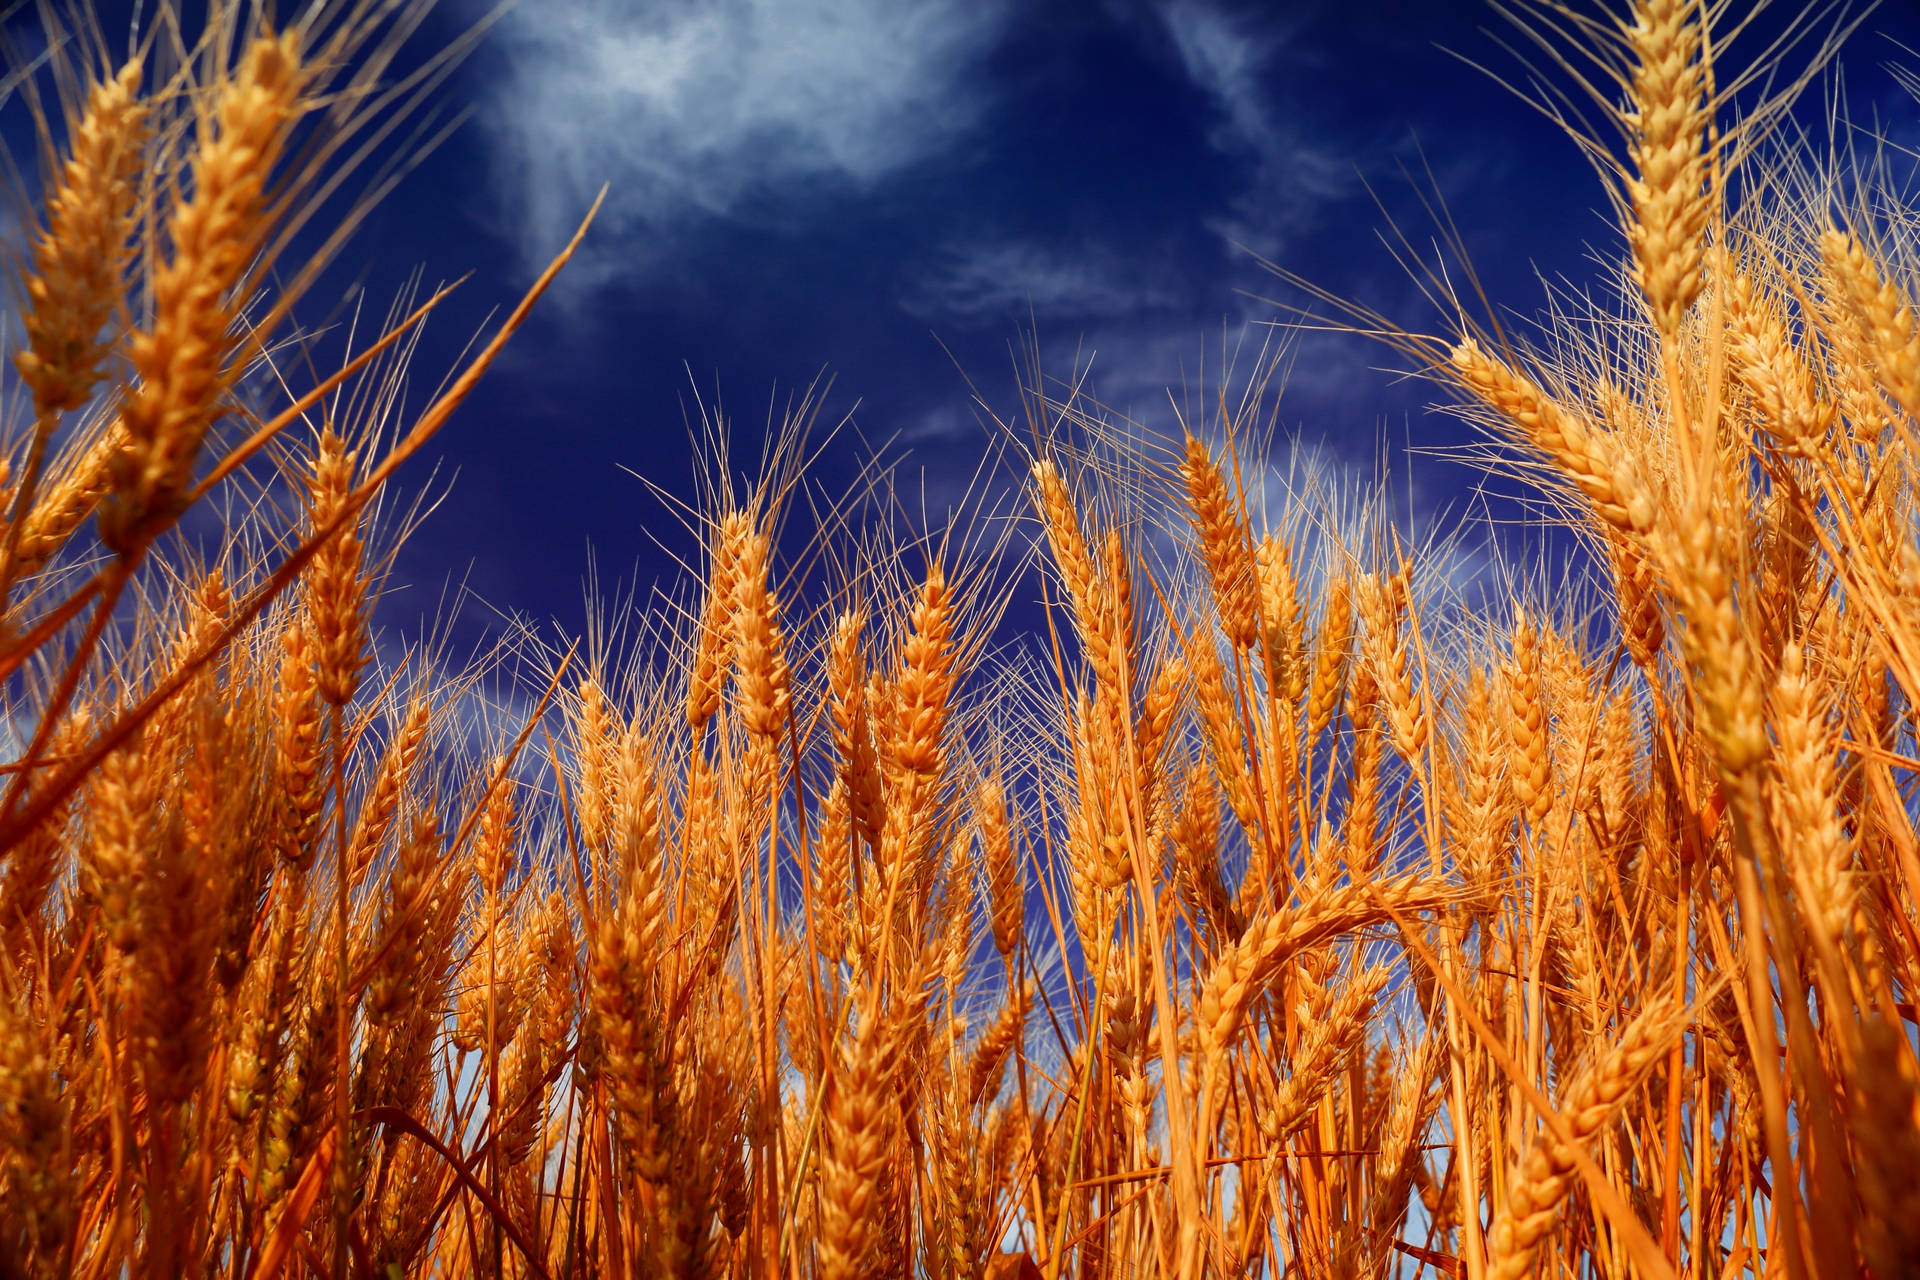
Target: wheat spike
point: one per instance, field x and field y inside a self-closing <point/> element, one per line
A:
<point x="80" y="259"/>
<point x="182" y="361"/>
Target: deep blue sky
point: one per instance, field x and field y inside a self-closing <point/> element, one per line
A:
<point x="846" y="185"/>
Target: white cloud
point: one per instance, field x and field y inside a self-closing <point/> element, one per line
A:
<point x="693" y="109"/>
<point x="1229" y="56"/>
<point x="1225" y="56"/>
<point x="992" y="283"/>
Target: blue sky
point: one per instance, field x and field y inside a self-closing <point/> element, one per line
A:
<point x="887" y="190"/>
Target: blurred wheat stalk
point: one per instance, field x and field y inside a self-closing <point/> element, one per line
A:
<point x="1289" y="915"/>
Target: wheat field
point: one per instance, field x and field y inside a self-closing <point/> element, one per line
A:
<point x="1274" y="905"/>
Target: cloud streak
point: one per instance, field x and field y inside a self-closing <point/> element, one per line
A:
<point x="990" y="283"/>
<point x="1230" y="57"/>
<point x="730" y="109"/>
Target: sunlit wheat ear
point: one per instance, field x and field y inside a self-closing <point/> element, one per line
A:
<point x="857" y="1142"/>
<point x="77" y="278"/>
<point x="1806" y="808"/>
<point x="1883" y="312"/>
<point x="1332" y="1035"/>
<point x="593" y="753"/>
<point x="1486" y="804"/>
<point x="830" y="892"/>
<point x="713" y="644"/>
<point x="1244" y="969"/>
<point x="636" y="832"/>
<point x="990" y="1051"/>
<point x="120" y="804"/>
<point x="858" y="764"/>
<point x="62" y="506"/>
<point x="293" y="1118"/>
<point x="765" y="682"/>
<point x="1698" y="562"/>
<point x="1588" y="1106"/>
<point x="1414" y="1101"/>
<point x="1590" y="460"/>
<point x="1006" y="893"/>
<point x="1062" y="525"/>
<point x="637" y="1051"/>
<point x="336" y="594"/>
<point x="183" y="360"/>
<point x="1643" y="629"/>
<point x="1224" y="548"/>
<point x="1073" y="560"/>
<point x="926" y="678"/>
<point x="391" y="783"/>
<point x="1530" y="766"/>
<point x="257" y="1010"/>
<point x="35" y="1112"/>
<point x="1332" y="646"/>
<point x="1766" y="361"/>
<point x="1282" y="620"/>
<point x="1195" y="833"/>
<point x="406" y="987"/>
<point x="1220" y="720"/>
<point x="1669" y="115"/>
<point x="1116" y="593"/>
<point x="958" y="891"/>
<point x="118" y="829"/>
<point x="1383" y="607"/>
<point x="1157" y="713"/>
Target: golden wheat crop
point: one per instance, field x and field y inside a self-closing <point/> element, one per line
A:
<point x="1271" y="910"/>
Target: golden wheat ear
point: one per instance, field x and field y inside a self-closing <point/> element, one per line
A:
<point x="1670" y="117"/>
<point x="1589" y="1105"/>
<point x="75" y="293"/>
<point x="183" y="359"/>
<point x="76" y="283"/>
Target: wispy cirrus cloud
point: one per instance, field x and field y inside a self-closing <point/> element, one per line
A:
<point x="1226" y="55"/>
<point x="994" y="282"/>
<point x="1230" y="55"/>
<point x="729" y="109"/>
